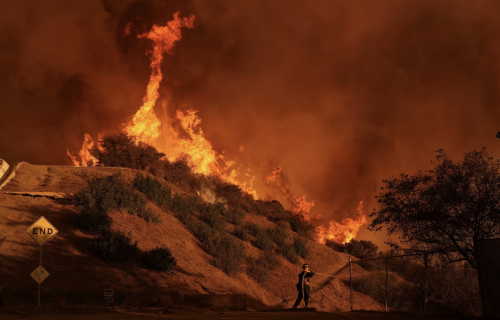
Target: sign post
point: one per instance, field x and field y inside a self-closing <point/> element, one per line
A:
<point x="41" y="231"/>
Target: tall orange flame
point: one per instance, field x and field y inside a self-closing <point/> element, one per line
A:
<point x="145" y="125"/>
<point x="202" y="157"/>
<point x="345" y="231"/>
<point x="300" y="205"/>
<point x="84" y="153"/>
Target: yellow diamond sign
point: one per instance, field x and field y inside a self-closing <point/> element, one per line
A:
<point x="42" y="230"/>
<point x="40" y="274"/>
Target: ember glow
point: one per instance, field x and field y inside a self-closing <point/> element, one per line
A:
<point x="146" y="127"/>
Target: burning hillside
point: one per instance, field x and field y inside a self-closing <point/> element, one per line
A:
<point x="146" y="127"/>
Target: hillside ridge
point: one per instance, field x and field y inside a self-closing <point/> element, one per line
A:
<point x="72" y="265"/>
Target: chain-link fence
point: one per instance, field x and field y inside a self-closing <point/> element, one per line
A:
<point x="416" y="283"/>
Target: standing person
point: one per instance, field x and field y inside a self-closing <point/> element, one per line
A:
<point x="303" y="285"/>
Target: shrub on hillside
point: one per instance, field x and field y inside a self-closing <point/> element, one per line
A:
<point x="154" y="190"/>
<point x="228" y="253"/>
<point x="110" y="193"/>
<point x="283" y="224"/>
<point x="180" y="173"/>
<point x="263" y="240"/>
<point x="242" y="233"/>
<point x="288" y="251"/>
<point x="186" y="204"/>
<point x="231" y="192"/>
<point x="236" y="198"/>
<point x="361" y="249"/>
<point x="252" y="228"/>
<point x="234" y="216"/>
<point x="204" y="233"/>
<point x="277" y="235"/>
<point x="211" y="214"/>
<point x="93" y="220"/>
<point x="273" y="210"/>
<point x="270" y="260"/>
<point x="301" y="247"/>
<point x="114" y="246"/>
<point x="149" y="216"/>
<point x="258" y="269"/>
<point x="303" y="227"/>
<point x="121" y="150"/>
<point x="160" y="259"/>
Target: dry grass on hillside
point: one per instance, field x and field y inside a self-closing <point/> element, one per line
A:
<point x="72" y="265"/>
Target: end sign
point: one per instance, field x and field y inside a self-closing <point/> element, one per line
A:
<point x="42" y="230"/>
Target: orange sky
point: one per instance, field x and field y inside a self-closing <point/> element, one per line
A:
<point x="341" y="94"/>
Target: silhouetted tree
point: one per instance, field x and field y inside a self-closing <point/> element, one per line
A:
<point x="447" y="209"/>
<point x="361" y="249"/>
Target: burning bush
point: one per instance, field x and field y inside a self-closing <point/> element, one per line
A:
<point x="160" y="259"/>
<point x="154" y="190"/>
<point x="121" y="150"/>
<point x="114" y="246"/>
<point x="301" y="247"/>
<point x="93" y="220"/>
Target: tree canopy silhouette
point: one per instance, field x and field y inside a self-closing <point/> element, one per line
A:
<point x="447" y="209"/>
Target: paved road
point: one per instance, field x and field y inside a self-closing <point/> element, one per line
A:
<point x="194" y="316"/>
<point x="127" y="315"/>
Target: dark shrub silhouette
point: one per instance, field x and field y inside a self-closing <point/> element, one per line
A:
<point x="160" y="259"/>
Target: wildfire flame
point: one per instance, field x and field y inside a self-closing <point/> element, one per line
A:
<point x="146" y="127"/>
<point x="202" y="157"/>
<point x="84" y="153"/>
<point x="345" y="231"/>
<point x="300" y="205"/>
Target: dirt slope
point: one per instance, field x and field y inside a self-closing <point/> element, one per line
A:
<point x="72" y="265"/>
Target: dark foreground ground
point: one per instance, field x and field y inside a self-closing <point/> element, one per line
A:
<point x="130" y="313"/>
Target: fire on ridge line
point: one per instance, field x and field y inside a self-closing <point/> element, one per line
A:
<point x="146" y="127"/>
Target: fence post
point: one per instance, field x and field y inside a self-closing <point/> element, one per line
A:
<point x="386" y="280"/>
<point x="425" y="283"/>
<point x="350" y="279"/>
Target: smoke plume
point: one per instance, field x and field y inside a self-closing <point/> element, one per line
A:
<point x="340" y="94"/>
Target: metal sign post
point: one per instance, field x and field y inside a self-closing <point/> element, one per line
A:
<point x="41" y="231"/>
<point x="350" y="280"/>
